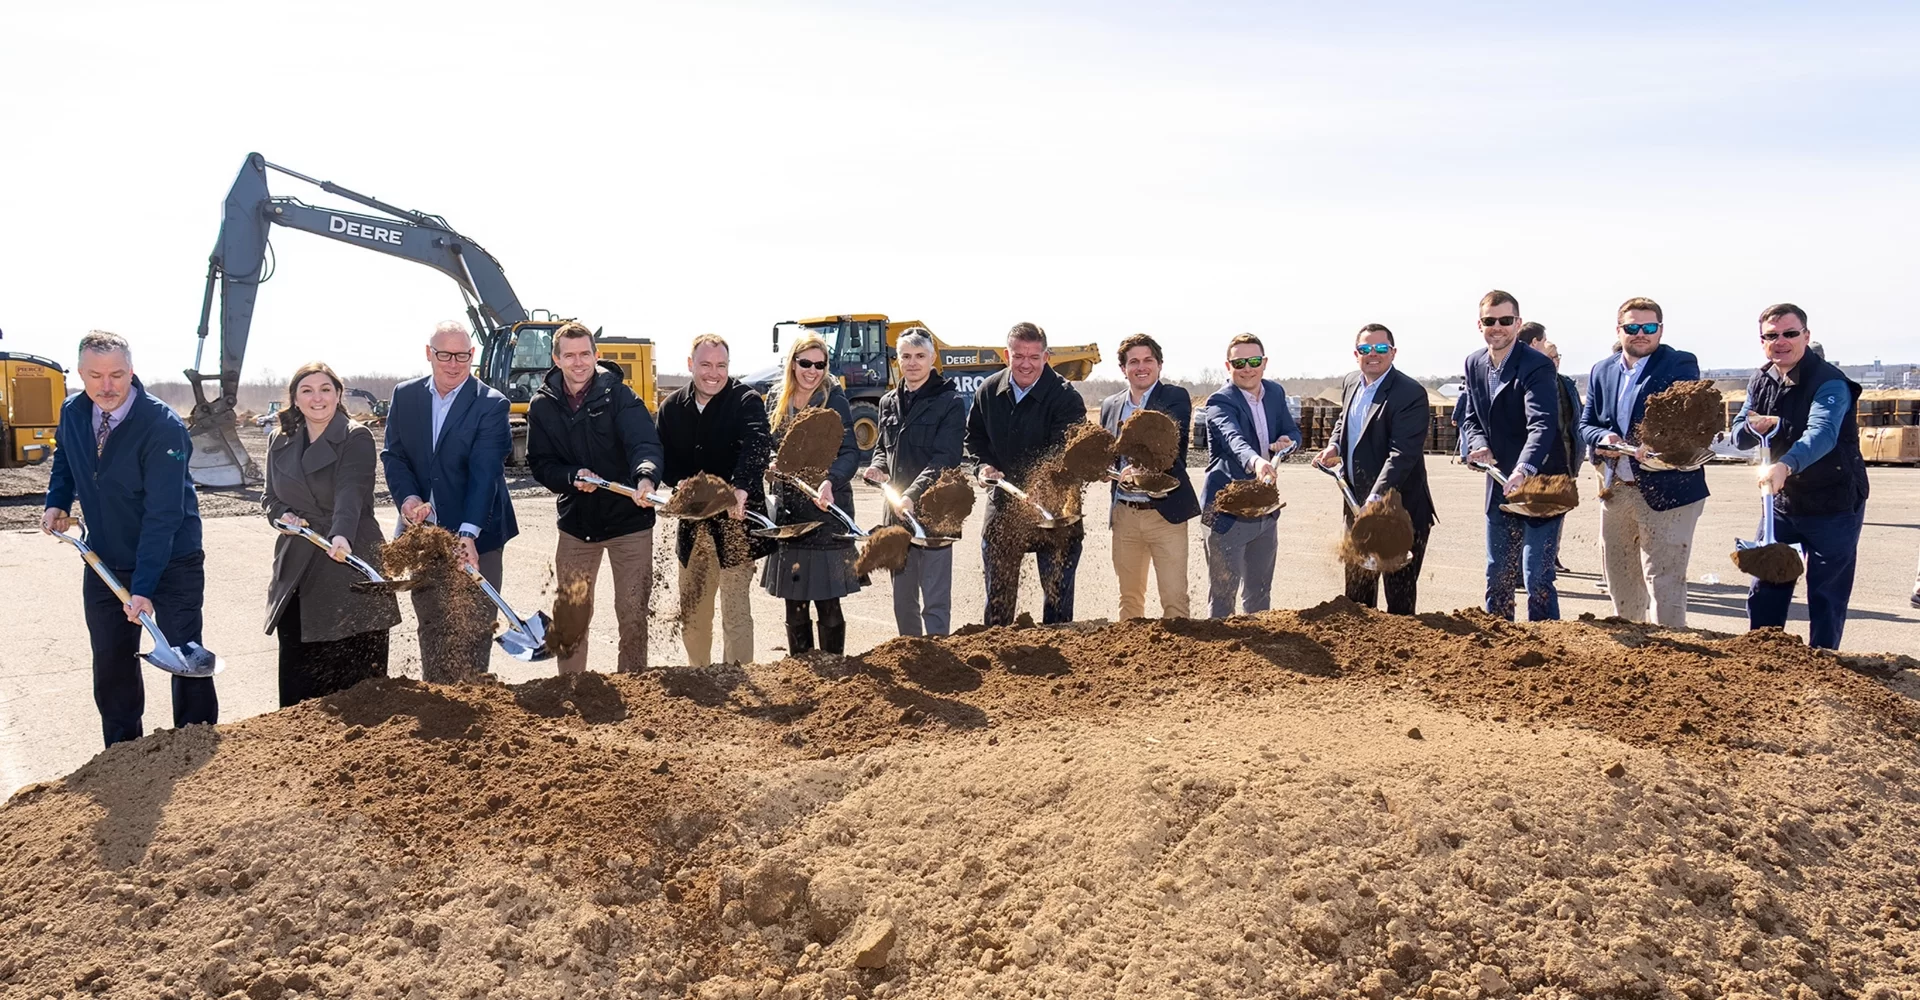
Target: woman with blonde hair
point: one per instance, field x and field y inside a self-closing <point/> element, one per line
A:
<point x="817" y="566"/>
<point x="320" y="476"/>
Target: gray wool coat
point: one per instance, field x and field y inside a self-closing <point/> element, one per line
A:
<point x="329" y="482"/>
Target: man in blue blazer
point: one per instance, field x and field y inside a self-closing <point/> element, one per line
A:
<point x="123" y="454"/>
<point x="445" y="458"/>
<point x="1511" y="420"/>
<point x="1148" y="531"/>
<point x="1248" y="429"/>
<point x="1646" y="517"/>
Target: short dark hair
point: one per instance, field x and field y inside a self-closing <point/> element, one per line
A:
<point x="1496" y="297"/>
<point x="1028" y="332"/>
<point x="1244" y="338"/>
<point x="1531" y="333"/>
<point x="571" y="330"/>
<point x="1375" y="328"/>
<point x="1780" y="309"/>
<point x="1640" y="302"/>
<point x="1138" y="340"/>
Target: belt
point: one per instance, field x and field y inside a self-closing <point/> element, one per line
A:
<point x="1136" y="504"/>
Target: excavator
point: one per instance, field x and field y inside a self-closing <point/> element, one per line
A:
<point x="515" y="345"/>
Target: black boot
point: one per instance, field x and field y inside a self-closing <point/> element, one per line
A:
<point x="799" y="629"/>
<point x="833" y="627"/>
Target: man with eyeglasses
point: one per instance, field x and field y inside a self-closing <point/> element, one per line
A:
<point x="1249" y="428"/>
<point x="1801" y="408"/>
<point x="1511" y="422"/>
<point x="1378" y="444"/>
<point x="445" y="458"/>
<point x="1647" y="516"/>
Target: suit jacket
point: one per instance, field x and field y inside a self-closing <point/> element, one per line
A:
<point x="1233" y="443"/>
<point x="1604" y="414"/>
<point x="329" y="482"/>
<point x="792" y="508"/>
<point x="1390" y="452"/>
<point x="1181" y="505"/>
<point x="728" y="439"/>
<point x="1518" y="420"/>
<point x="927" y="440"/>
<point x="465" y="475"/>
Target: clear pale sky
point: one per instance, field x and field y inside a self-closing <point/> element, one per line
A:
<point x="1193" y="171"/>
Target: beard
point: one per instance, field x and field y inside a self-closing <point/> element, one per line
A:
<point x="1633" y="353"/>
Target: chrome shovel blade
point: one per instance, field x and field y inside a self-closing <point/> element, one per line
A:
<point x="527" y="644"/>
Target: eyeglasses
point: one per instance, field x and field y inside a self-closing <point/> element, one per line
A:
<point x="1499" y="320"/>
<point x="1768" y="338"/>
<point x="1365" y="349"/>
<point x="1243" y="363"/>
<point x="1636" y="329"/>
<point x="804" y="363"/>
<point x="461" y="356"/>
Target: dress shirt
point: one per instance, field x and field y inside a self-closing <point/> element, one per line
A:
<point x="1358" y="414"/>
<point x="119" y="414"/>
<point x="1260" y="430"/>
<point x="1019" y="393"/>
<point x="443" y="405"/>
<point x="1622" y="422"/>
<point x="1127" y="409"/>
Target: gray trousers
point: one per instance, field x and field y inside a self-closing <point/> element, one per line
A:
<point x="456" y="626"/>
<point x="923" y="592"/>
<point x="1240" y="559"/>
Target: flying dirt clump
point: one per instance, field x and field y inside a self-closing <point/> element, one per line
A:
<point x="1246" y="498"/>
<point x="1085" y="457"/>
<point x="944" y="507"/>
<point x="701" y="495"/>
<point x="1382" y="532"/>
<point x="572" y="613"/>
<point x="1683" y="419"/>
<point x="429" y="557"/>
<point x="1149" y="439"/>
<point x="1775" y="563"/>
<point x="885" y="549"/>
<point x="809" y="442"/>
<point x="1548" y="491"/>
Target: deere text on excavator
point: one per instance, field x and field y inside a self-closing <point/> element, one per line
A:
<point x="515" y="346"/>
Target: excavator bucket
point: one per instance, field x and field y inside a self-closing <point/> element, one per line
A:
<point x="219" y="460"/>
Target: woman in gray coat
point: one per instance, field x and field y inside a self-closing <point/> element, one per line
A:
<point x="320" y="475"/>
<point x="816" y="567"/>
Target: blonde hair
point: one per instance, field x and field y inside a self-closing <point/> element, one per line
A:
<point x="784" y="405"/>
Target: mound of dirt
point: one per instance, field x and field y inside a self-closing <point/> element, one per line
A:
<point x="885" y="549"/>
<point x="701" y="495"/>
<point x="1085" y="457"/>
<point x="1382" y="532"/>
<point x="1333" y="802"/>
<point x="1776" y="563"/>
<point x="1149" y="439"/>
<point x="1682" y="419"/>
<point x="945" y="506"/>
<point x="1555" y="491"/>
<point x="1246" y="498"/>
<point x="809" y="442"/>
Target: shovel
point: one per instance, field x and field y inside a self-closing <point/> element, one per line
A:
<point x="920" y="536"/>
<point x="853" y="529"/>
<point x="374" y="582"/>
<point x="768" y="529"/>
<point x="1047" y="518"/>
<point x="1535" y="510"/>
<point x="659" y="498"/>
<point x="1116" y="473"/>
<point x="525" y="639"/>
<point x="1655" y="461"/>
<point x="1766" y="517"/>
<point x="1372" y="563"/>
<point x="188" y="660"/>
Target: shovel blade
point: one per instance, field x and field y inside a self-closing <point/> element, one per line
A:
<point x="528" y="645"/>
<point x="186" y="660"/>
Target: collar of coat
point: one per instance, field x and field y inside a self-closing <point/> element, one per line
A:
<point x="1048" y="377"/>
<point x="606" y="375"/>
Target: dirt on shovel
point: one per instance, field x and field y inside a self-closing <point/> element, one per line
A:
<point x="944" y="507"/>
<point x="809" y="442"/>
<point x="701" y="495"/>
<point x="1146" y="481"/>
<point x="885" y="549"/>
<point x="1246" y="498"/>
<point x="1683" y="419"/>
<point x="1149" y="439"/>
<point x="1086" y="457"/>
<point x="1554" y="491"/>
<point x="1776" y="563"/>
<point x="1382" y="531"/>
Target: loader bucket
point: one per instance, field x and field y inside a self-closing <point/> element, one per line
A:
<point x="219" y="460"/>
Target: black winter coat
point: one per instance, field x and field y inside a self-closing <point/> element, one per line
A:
<point x="728" y="439"/>
<point x="928" y="440"/>
<point x="792" y="508"/>
<point x="611" y="435"/>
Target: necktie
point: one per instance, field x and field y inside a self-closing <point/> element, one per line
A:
<point x="100" y="439"/>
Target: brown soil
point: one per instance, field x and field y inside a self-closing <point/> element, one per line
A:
<point x="1150" y="439"/>
<point x="1382" y="531"/>
<point x="572" y="614"/>
<point x="1245" y="498"/>
<point x="1138" y="478"/>
<point x="809" y="442"/>
<point x="1683" y="419"/>
<point x="1085" y="457"/>
<point x="1442" y="805"/>
<point x="885" y="549"/>
<point x="1776" y="563"/>
<point x="700" y="495"/>
<point x="428" y="557"/>
<point x="944" y="507"/>
<point x="1558" y="491"/>
<point x="424" y="549"/>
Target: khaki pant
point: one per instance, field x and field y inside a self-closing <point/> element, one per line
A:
<point x="734" y="585"/>
<point x="632" y="558"/>
<point x="1142" y="538"/>
<point x="1647" y="549"/>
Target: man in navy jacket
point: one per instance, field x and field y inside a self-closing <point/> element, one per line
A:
<point x="1145" y="530"/>
<point x="445" y="459"/>
<point x="1647" y="517"/>
<point x="1248" y="429"/>
<point x="123" y="454"/>
<point x="1511" y="420"/>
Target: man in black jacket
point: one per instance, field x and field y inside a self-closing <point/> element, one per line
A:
<point x="923" y="425"/>
<point x="1018" y="416"/>
<point x="1378" y="443"/>
<point x="586" y="421"/>
<point x="716" y="424"/>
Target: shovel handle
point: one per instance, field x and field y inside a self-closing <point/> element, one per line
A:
<point x="519" y="623"/>
<point x="605" y="484"/>
<point x="106" y="576"/>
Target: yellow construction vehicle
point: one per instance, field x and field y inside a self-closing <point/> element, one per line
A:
<point x="31" y="391"/>
<point x="634" y="355"/>
<point x="861" y="353"/>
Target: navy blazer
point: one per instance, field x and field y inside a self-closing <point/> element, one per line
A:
<point x="1181" y="505"/>
<point x="1389" y="453"/>
<point x="1232" y="443"/>
<point x="466" y="477"/>
<point x="1519" y="420"/>
<point x="1604" y="415"/>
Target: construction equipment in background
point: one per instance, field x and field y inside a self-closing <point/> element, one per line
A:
<point x="861" y="350"/>
<point x="515" y="346"/>
<point x="634" y="355"/>
<point x="31" y="391"/>
<point x="376" y="414"/>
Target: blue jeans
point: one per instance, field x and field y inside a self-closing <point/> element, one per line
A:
<point x="1831" y="543"/>
<point x="1516" y="544"/>
<point x="1240" y="563"/>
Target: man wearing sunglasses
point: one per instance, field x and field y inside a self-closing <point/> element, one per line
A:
<point x="1378" y="444"/>
<point x="445" y="459"/>
<point x="1647" y="517"/>
<point x="1249" y="428"/>
<point x="1511" y="421"/>
<point x="1801" y="408"/>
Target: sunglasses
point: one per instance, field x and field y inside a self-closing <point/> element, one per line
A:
<point x="1636" y="329"/>
<point x="461" y="356"/>
<point x="804" y="363"/>
<point x="1365" y="349"/>
<point x="1243" y="363"/>
<point x="1499" y="320"/>
<point x="1768" y="338"/>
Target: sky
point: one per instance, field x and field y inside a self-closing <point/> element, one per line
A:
<point x="1294" y="170"/>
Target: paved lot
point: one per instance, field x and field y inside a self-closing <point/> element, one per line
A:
<point x="48" y="725"/>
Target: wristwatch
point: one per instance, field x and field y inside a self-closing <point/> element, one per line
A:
<point x="464" y="533"/>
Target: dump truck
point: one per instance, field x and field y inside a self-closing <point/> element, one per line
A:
<point x="861" y="353"/>
<point x="31" y="391"/>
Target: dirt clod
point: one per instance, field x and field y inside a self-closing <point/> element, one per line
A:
<point x="1143" y="480"/>
<point x="701" y="495"/>
<point x="1552" y="491"/>
<point x="1682" y="419"/>
<point x="885" y="549"/>
<point x="1086" y="456"/>
<point x="1149" y="439"/>
<point x="945" y="506"/>
<point x="809" y="442"/>
<point x="1246" y="498"/>
<point x="1775" y="563"/>
<point x="1382" y="531"/>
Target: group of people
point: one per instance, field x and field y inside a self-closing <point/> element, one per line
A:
<point x="123" y="458"/>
